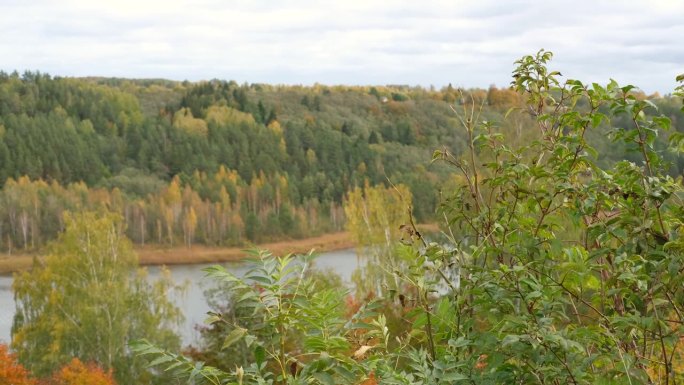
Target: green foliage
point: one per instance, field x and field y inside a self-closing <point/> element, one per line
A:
<point x="286" y="322"/>
<point x="559" y="269"/>
<point x="567" y="272"/>
<point x="132" y="135"/>
<point x="224" y="302"/>
<point x="87" y="300"/>
<point x="135" y="135"/>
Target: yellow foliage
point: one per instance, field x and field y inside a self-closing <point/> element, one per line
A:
<point x="184" y="120"/>
<point x="374" y="214"/>
<point x="361" y="168"/>
<point x="225" y="115"/>
<point x="172" y="194"/>
<point x="275" y="127"/>
<point x="311" y="156"/>
<point x="224" y="197"/>
<point x="503" y="98"/>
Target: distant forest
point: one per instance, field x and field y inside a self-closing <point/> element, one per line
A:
<point x="222" y="163"/>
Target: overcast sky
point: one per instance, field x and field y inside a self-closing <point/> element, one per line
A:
<point x="420" y="42"/>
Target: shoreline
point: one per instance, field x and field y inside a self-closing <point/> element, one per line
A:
<point x="160" y="255"/>
<point x="154" y="254"/>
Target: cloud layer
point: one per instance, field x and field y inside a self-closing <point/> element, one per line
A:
<point x="433" y="42"/>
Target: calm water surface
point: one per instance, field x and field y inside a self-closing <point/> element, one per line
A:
<point x="192" y="302"/>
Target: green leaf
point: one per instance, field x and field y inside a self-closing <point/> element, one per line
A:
<point x="175" y="365"/>
<point x="453" y="376"/>
<point x="233" y="337"/>
<point x="249" y="339"/>
<point x="212" y="318"/>
<point x="344" y="372"/>
<point x="459" y="342"/>
<point x="160" y="360"/>
<point x="259" y="355"/>
<point x="510" y="340"/>
<point x="260" y="279"/>
<point x="663" y="122"/>
<point x="651" y="104"/>
<point x="247" y="295"/>
<point x="360" y="325"/>
<point x="596" y="119"/>
<point x="438" y="154"/>
<point x="626" y="88"/>
<point x="420" y="321"/>
<point x="324" y="378"/>
<point x="508" y="112"/>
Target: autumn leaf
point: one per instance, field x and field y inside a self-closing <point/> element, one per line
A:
<point x="370" y="380"/>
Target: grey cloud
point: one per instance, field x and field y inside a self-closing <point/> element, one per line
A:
<point x="356" y="42"/>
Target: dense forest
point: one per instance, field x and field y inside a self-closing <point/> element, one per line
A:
<point x="221" y="163"/>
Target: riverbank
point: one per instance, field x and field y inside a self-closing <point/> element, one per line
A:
<point x="165" y="255"/>
<point x="160" y="255"/>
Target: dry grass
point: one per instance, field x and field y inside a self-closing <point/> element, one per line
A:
<point x="160" y="255"/>
<point x="15" y="262"/>
<point x="156" y="255"/>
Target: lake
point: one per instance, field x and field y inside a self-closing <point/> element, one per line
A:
<point x="192" y="302"/>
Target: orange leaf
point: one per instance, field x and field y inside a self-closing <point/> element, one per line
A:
<point x="370" y="380"/>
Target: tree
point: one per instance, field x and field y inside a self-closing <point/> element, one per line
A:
<point x="189" y="226"/>
<point x="375" y="213"/>
<point x="85" y="300"/>
<point x="502" y="98"/>
<point x="374" y="218"/>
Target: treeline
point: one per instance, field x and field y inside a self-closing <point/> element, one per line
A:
<point x="249" y="162"/>
<point x="218" y="209"/>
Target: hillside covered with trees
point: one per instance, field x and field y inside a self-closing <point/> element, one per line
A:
<point x="221" y="163"/>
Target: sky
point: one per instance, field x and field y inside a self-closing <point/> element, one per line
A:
<point x="355" y="42"/>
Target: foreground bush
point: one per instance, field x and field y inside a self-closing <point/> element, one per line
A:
<point x="78" y="373"/>
<point x="556" y="271"/>
<point x="11" y="371"/>
<point x="74" y="373"/>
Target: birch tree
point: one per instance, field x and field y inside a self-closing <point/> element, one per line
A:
<point x="86" y="300"/>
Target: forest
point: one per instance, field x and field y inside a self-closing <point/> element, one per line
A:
<point x="559" y="261"/>
<point x="224" y="164"/>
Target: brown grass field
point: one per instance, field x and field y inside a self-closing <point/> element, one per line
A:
<point x="156" y="255"/>
<point x="163" y="255"/>
<point x="15" y="262"/>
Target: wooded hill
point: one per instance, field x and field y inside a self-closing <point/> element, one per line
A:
<point x="222" y="163"/>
